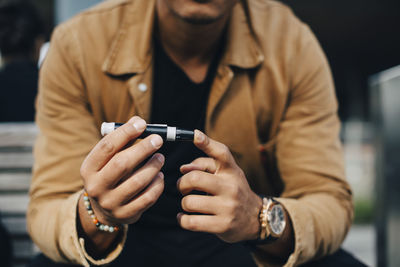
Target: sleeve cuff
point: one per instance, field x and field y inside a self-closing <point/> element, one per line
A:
<point x="74" y="246"/>
<point x="303" y="228"/>
<point x="112" y="255"/>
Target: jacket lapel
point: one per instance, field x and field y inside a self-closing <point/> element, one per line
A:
<point x="242" y="51"/>
<point x="131" y="54"/>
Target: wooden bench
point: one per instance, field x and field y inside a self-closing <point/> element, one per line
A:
<point x="16" y="141"/>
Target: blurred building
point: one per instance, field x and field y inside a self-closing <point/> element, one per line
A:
<point x="360" y="38"/>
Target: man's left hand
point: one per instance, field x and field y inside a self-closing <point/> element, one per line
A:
<point x="230" y="209"/>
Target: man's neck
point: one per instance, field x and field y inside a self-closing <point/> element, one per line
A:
<point x="191" y="46"/>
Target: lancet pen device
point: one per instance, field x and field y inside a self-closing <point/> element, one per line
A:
<point x="168" y="133"/>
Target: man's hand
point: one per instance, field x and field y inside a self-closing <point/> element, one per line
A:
<point x="120" y="180"/>
<point x="231" y="208"/>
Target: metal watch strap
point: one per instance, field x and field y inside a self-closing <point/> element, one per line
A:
<point x="264" y="237"/>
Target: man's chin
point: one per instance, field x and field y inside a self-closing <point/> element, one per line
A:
<point x="200" y="20"/>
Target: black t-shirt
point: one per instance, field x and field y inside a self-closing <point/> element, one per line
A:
<point x="157" y="239"/>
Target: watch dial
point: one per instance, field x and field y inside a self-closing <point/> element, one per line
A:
<point x="277" y="221"/>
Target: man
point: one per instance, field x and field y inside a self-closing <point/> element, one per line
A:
<point x="248" y="74"/>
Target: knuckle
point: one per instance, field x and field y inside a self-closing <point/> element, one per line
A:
<point x="136" y="183"/>
<point x="106" y="204"/>
<point x="149" y="198"/>
<point x="224" y="148"/>
<point x="93" y="190"/>
<point x="231" y="206"/>
<point x="224" y="153"/>
<point x="190" y="223"/>
<point x="120" y="163"/>
<point x="194" y="178"/>
<point x="239" y="172"/>
<point x="146" y="145"/>
<point x="106" y="146"/>
<point x="199" y="161"/>
<point x="125" y="131"/>
<point x="83" y="171"/>
<point x="227" y="225"/>
<point x="127" y="217"/>
<point x="187" y="203"/>
<point x="233" y="190"/>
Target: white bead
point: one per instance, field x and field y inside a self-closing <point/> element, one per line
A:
<point x="93" y="216"/>
<point x="101" y="227"/>
<point x="142" y="87"/>
<point x="111" y="229"/>
<point x="90" y="212"/>
<point x="106" y="228"/>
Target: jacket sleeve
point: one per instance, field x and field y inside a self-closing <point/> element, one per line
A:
<point x="309" y="157"/>
<point x="67" y="134"/>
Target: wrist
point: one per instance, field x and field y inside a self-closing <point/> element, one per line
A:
<point x="101" y="225"/>
<point x="272" y="222"/>
<point x="254" y="219"/>
<point x="97" y="242"/>
<point x="87" y="222"/>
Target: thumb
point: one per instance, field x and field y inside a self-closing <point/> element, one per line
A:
<point x="212" y="148"/>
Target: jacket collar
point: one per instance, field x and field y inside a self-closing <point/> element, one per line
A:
<point x="242" y="47"/>
<point x="131" y="50"/>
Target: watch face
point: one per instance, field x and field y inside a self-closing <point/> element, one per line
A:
<point x="277" y="220"/>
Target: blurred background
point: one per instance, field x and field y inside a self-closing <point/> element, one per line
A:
<point x="362" y="41"/>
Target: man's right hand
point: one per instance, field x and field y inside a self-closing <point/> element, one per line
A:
<point x="119" y="180"/>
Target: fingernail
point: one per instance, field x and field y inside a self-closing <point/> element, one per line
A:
<point x="160" y="175"/>
<point x="200" y="136"/>
<point x="159" y="157"/>
<point x="156" y="141"/>
<point x="178" y="216"/>
<point x="139" y="125"/>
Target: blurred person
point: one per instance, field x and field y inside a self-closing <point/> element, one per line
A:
<point x="21" y="36"/>
<point x="5" y="246"/>
<point x="247" y="73"/>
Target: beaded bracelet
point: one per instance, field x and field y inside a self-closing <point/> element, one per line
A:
<point x="100" y="226"/>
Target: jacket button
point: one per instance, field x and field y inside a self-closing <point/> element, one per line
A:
<point x="142" y="87"/>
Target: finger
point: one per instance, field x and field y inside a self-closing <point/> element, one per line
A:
<point x="212" y="148"/>
<point x="200" y="181"/>
<point x="200" y="164"/>
<point x="143" y="201"/>
<point x="200" y="204"/>
<point x="137" y="182"/>
<point x="201" y="223"/>
<point x="124" y="162"/>
<point x="107" y="147"/>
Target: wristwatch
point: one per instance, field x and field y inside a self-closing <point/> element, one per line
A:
<point x="272" y="220"/>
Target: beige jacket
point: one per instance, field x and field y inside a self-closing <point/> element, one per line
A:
<point x="272" y="102"/>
